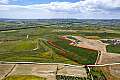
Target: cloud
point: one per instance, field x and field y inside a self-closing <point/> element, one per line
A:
<point x="80" y="9"/>
<point x="4" y="1"/>
<point x="103" y="4"/>
<point x="58" y="7"/>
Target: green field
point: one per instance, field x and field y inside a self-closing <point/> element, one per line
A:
<point x="44" y="54"/>
<point x="80" y="55"/>
<point x="97" y="74"/>
<point x="15" y="46"/>
<point x="24" y="77"/>
<point x="113" y="48"/>
<point x="102" y="35"/>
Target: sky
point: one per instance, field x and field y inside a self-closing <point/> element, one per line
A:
<point x="49" y="9"/>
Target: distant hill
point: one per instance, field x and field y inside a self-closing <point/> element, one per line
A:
<point x="83" y="22"/>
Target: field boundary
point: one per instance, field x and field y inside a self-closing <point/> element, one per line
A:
<point x="97" y="65"/>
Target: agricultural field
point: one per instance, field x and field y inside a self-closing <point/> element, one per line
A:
<point x="31" y="45"/>
<point x="16" y="47"/>
<point x="80" y="55"/>
<point x="113" y="48"/>
<point x="101" y="35"/>
<point x="4" y="69"/>
<point x="106" y="72"/>
<point x="97" y="74"/>
<point x="24" y="41"/>
<point x="23" y="77"/>
<point x="59" y="77"/>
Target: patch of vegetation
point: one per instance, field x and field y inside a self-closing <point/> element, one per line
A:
<point x="60" y="77"/>
<point x="97" y="74"/>
<point x="102" y="35"/>
<point x="24" y="77"/>
<point x="80" y="55"/>
<point x="16" y="46"/>
<point x="113" y="48"/>
<point x="24" y="52"/>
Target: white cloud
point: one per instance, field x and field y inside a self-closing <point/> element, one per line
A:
<point x="81" y="9"/>
<point x="4" y="1"/>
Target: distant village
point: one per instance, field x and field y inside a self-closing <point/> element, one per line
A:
<point x="111" y="41"/>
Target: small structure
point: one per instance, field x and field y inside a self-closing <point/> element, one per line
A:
<point x="27" y="36"/>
